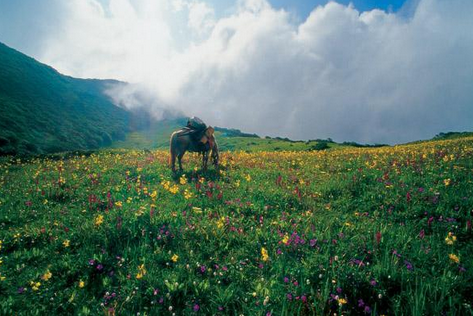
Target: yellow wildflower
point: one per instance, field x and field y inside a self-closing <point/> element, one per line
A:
<point x="175" y="258"/>
<point x="454" y="258"/>
<point x="118" y="204"/>
<point x="98" y="220"/>
<point x="46" y="276"/>
<point x="140" y="211"/>
<point x="342" y="301"/>
<point x="198" y="210"/>
<point x="174" y="189"/>
<point x="183" y="180"/>
<point x="264" y="254"/>
<point x="154" y="195"/>
<point x="285" y="239"/>
<point x="81" y="284"/>
<point x="221" y="222"/>
<point x="66" y="243"/>
<point x="165" y="184"/>
<point x="187" y="194"/>
<point x="450" y="239"/>
<point x="447" y="182"/>
<point x="35" y="285"/>
<point x="141" y="271"/>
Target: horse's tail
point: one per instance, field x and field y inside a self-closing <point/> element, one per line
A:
<point x="171" y="145"/>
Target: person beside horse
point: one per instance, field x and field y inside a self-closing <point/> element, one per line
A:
<point x="195" y="137"/>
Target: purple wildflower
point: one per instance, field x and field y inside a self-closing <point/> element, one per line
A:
<point x="409" y="265"/>
<point x="422" y="234"/>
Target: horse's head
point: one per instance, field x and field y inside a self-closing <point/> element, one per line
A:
<point x="209" y="137"/>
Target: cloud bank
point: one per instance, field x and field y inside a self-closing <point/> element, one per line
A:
<point x="362" y="76"/>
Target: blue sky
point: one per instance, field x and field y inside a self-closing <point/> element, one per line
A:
<point x="302" y="8"/>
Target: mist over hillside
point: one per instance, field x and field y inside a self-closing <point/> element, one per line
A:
<point x="43" y="111"/>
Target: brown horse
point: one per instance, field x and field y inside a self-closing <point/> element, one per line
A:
<point x="182" y="141"/>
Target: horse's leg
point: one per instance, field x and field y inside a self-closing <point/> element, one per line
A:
<point x="214" y="157"/>
<point x="179" y="159"/>
<point x="173" y="162"/>
<point x="205" y="160"/>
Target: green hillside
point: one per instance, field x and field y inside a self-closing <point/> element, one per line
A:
<point x="42" y="111"/>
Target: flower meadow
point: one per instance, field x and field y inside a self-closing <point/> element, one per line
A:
<point x="359" y="231"/>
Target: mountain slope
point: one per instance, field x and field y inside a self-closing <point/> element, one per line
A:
<point x="43" y="111"/>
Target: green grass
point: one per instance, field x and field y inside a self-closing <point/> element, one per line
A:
<point x="346" y="231"/>
<point x="253" y="144"/>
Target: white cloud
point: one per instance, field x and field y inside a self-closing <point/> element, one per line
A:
<point x="201" y="17"/>
<point x="369" y="77"/>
